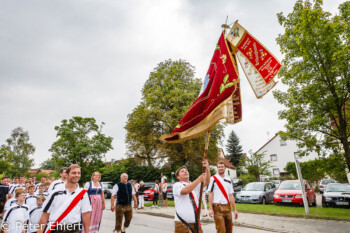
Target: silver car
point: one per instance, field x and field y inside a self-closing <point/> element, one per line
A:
<point x="256" y="192"/>
<point x="324" y="183"/>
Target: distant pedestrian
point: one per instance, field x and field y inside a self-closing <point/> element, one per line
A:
<point x="156" y="194"/>
<point x="186" y="198"/>
<point x="96" y="195"/>
<point x="4" y="190"/>
<point x="141" y="192"/>
<point x="165" y="192"/>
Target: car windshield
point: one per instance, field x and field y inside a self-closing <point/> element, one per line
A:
<point x="254" y="187"/>
<point x="327" y="181"/>
<point x="289" y="186"/>
<point x="338" y="188"/>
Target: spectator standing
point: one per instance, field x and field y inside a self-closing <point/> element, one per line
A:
<point x="141" y="192"/>
<point x="156" y="194"/>
<point x="97" y="198"/>
<point x="124" y="193"/>
<point x="164" y="192"/>
<point x="186" y="198"/>
<point x="4" y="190"/>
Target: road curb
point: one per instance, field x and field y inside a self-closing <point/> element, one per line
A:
<point x="212" y="221"/>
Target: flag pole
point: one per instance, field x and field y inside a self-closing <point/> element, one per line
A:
<point x="203" y="171"/>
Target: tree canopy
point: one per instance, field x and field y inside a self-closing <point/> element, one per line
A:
<point x="234" y="149"/>
<point x="256" y="165"/>
<point x="16" y="153"/>
<point x="316" y="69"/>
<point x="80" y="141"/>
<point x="166" y="96"/>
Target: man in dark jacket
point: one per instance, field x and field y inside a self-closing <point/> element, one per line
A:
<point x="125" y="194"/>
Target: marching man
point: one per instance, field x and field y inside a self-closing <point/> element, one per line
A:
<point x="124" y="193"/>
<point x="220" y="200"/>
<point x="58" y="182"/>
<point x="186" y="197"/>
<point x="66" y="206"/>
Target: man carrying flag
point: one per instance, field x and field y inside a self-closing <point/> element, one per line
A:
<point x="186" y="195"/>
<point x="220" y="200"/>
<point x="66" y="206"/>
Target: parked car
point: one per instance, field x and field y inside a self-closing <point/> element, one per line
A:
<point x="169" y="193"/>
<point x="276" y="182"/>
<point x="237" y="186"/>
<point x="336" y="195"/>
<point x="289" y="192"/>
<point x="256" y="192"/>
<point x="108" y="187"/>
<point x="149" y="193"/>
<point x="324" y="183"/>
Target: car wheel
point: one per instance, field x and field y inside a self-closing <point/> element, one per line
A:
<point x="264" y="201"/>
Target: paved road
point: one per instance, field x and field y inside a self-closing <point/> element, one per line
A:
<point x="151" y="224"/>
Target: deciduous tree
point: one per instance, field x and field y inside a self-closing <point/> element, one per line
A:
<point x="16" y="153"/>
<point x="166" y="96"/>
<point x="80" y="141"/>
<point x="316" y="69"/>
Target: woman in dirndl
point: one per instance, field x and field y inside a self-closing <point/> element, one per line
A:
<point x="96" y="195"/>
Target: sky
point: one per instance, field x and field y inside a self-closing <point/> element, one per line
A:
<point x="88" y="58"/>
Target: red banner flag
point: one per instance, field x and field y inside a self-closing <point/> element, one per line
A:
<point x="216" y="100"/>
<point x="261" y="59"/>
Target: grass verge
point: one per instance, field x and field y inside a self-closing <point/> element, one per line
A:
<point x="317" y="212"/>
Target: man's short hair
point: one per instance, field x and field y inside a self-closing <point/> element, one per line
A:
<point x="3" y="178"/>
<point x="42" y="185"/>
<point x="31" y="186"/>
<point x="220" y="162"/>
<point x="178" y="170"/>
<point x="47" y="183"/>
<point x="63" y="169"/>
<point x="43" y="177"/>
<point x="72" y="167"/>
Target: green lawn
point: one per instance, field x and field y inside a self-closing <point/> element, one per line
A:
<point x="335" y="213"/>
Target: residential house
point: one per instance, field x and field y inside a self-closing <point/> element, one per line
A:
<point x="280" y="152"/>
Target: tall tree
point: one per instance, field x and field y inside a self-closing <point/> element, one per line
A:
<point x="256" y="165"/>
<point x="316" y="68"/>
<point x="80" y="141"/>
<point x="234" y="149"/>
<point x="166" y="96"/>
<point x="17" y="151"/>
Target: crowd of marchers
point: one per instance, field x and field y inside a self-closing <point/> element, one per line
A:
<point x="63" y="206"/>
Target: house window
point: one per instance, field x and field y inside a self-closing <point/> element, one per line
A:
<point x="283" y="143"/>
<point x="276" y="171"/>
<point x="296" y="155"/>
<point x="273" y="157"/>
